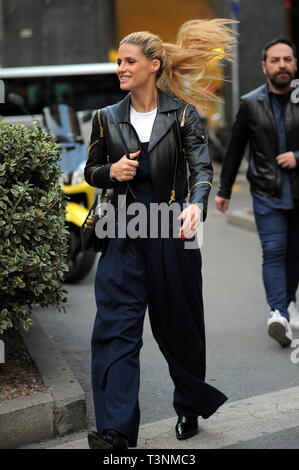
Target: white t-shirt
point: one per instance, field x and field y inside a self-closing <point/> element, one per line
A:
<point x="143" y="123"/>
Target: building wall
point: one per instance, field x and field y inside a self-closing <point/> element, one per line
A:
<point x="293" y="22"/>
<point x="260" y="22"/>
<point x="45" y="32"/>
<point x="49" y="32"/>
<point x="160" y="17"/>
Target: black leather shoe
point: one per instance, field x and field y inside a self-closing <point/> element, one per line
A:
<point x="108" y="439"/>
<point x="186" y="427"/>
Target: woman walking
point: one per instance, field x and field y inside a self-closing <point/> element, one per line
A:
<point x="164" y="135"/>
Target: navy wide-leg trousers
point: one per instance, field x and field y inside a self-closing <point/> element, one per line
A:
<point x="166" y="277"/>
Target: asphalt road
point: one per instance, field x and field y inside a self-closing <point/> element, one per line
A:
<point x="242" y="360"/>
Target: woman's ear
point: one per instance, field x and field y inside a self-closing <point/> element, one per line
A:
<point x="156" y="64"/>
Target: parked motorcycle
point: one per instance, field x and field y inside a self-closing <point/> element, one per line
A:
<point x="63" y="123"/>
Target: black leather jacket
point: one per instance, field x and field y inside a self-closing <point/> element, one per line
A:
<point x="255" y="123"/>
<point x="177" y="142"/>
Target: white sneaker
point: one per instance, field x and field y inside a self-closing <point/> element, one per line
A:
<point x="279" y="328"/>
<point x="294" y="316"/>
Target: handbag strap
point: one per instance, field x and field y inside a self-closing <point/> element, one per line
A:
<point x="115" y="122"/>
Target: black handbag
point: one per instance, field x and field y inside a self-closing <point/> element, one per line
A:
<point x="89" y="239"/>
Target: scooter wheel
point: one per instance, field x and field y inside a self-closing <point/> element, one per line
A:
<point x="80" y="262"/>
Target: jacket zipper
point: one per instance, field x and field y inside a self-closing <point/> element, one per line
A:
<point x="94" y="143"/>
<point x="90" y="147"/>
<point x="182" y="124"/>
<point x="100" y="124"/>
<point x="101" y="132"/>
<point x="199" y="182"/>
<point x="92" y="174"/>
<point x="172" y="193"/>
<point x="183" y="120"/>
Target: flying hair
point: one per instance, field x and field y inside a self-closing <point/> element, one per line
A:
<point x="185" y="65"/>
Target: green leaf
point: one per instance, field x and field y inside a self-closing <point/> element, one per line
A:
<point x="33" y="242"/>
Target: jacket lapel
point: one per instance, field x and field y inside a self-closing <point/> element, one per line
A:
<point x="122" y="109"/>
<point x="164" y="119"/>
<point x="162" y="124"/>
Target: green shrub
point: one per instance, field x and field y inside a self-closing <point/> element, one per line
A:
<point x="33" y="243"/>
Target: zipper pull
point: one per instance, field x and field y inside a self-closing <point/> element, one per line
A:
<point x="100" y="124"/>
<point x="183" y="120"/>
<point x="172" y="197"/>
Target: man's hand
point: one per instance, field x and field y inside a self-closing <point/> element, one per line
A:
<point x="125" y="168"/>
<point x="221" y="203"/>
<point x="287" y="160"/>
<point x="191" y="218"/>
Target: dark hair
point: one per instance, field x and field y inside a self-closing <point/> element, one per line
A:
<point x="288" y="42"/>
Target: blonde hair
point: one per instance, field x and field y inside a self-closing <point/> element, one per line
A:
<point x="185" y="65"/>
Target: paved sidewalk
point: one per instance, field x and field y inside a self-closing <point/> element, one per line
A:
<point x="234" y="424"/>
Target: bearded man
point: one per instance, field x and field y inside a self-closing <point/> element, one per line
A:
<point x="268" y="118"/>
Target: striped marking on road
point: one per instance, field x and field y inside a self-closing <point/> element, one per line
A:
<point x="235" y="422"/>
<point x="236" y="188"/>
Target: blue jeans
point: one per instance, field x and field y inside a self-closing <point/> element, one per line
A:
<point x="279" y="234"/>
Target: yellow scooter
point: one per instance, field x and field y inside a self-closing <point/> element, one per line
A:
<point x="81" y="198"/>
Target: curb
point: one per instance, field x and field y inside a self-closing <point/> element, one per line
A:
<point x="43" y="415"/>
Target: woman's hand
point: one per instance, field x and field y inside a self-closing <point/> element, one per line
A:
<point x="191" y="218"/>
<point x="125" y="168"/>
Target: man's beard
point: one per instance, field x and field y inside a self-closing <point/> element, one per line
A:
<point x="280" y="82"/>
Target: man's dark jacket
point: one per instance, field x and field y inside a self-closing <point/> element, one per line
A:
<point x="171" y="148"/>
<point x="255" y="123"/>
